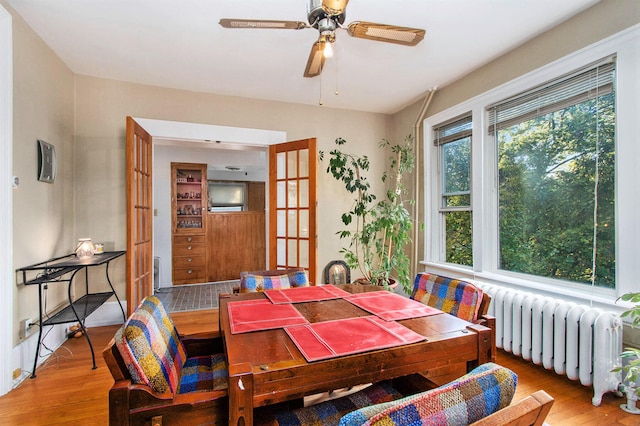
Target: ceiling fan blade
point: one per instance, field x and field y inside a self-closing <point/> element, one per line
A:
<point x="260" y="24"/>
<point x="389" y="33"/>
<point x="334" y="7"/>
<point x="315" y="61"/>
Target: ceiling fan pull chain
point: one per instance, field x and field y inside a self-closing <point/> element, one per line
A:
<point x="320" y="95"/>
<point x="335" y="58"/>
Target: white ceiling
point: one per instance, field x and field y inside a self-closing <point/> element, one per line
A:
<point x="179" y="44"/>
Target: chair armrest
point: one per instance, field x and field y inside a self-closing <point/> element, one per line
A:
<point x="531" y="410"/>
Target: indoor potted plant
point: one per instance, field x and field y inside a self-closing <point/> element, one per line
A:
<point x="377" y="231"/>
<point x="630" y="385"/>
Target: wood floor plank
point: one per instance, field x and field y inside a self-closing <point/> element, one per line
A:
<point x="68" y="392"/>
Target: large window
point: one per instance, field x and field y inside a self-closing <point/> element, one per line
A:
<point x="454" y="141"/>
<point x="551" y="204"/>
<point x="556" y="178"/>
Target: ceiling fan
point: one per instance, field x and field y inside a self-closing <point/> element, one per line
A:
<point x="327" y="16"/>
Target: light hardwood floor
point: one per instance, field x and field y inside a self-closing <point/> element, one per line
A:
<point x="68" y="392"/>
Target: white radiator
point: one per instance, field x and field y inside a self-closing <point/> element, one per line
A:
<point x="576" y="340"/>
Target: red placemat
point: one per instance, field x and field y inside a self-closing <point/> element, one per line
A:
<point x="255" y="315"/>
<point x="391" y="306"/>
<point x="306" y="294"/>
<point x="348" y="336"/>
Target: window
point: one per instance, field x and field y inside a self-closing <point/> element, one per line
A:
<point x="454" y="141"/>
<point x="553" y="152"/>
<point x="556" y="178"/>
<point x="227" y="196"/>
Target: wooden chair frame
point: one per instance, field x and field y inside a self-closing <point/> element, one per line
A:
<point x="135" y="404"/>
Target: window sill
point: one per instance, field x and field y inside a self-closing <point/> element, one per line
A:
<point x="599" y="298"/>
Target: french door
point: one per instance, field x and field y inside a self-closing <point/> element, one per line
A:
<point x="292" y="206"/>
<point x="139" y="215"/>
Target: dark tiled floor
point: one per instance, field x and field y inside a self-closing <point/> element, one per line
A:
<point x="193" y="297"/>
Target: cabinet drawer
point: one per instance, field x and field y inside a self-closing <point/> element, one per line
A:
<point x="189" y="262"/>
<point x="189" y="239"/>
<point x="189" y="250"/>
<point x="190" y="274"/>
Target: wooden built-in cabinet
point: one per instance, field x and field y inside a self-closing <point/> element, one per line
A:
<point x="209" y="247"/>
<point x="189" y="225"/>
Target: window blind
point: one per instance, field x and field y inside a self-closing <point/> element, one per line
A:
<point x="452" y="130"/>
<point x="579" y="86"/>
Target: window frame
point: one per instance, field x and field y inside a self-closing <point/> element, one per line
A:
<point x="443" y="208"/>
<point x="484" y="197"/>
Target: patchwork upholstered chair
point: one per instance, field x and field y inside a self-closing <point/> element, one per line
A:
<point x="481" y="397"/>
<point x="161" y="377"/>
<point x="455" y="297"/>
<point x="252" y="281"/>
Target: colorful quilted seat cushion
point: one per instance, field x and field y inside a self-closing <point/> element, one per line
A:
<point x="204" y="373"/>
<point x="254" y="282"/>
<point x="455" y="297"/>
<point x="483" y="391"/>
<point x="151" y="348"/>
<point x="330" y="412"/>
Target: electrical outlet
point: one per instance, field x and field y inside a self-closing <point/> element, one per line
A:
<point x="26" y="327"/>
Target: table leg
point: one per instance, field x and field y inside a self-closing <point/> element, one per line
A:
<point x="35" y="360"/>
<point x="81" y="322"/>
<point x="484" y="343"/>
<point x="124" y="316"/>
<point x="240" y="395"/>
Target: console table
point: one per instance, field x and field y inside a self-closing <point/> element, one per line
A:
<point x="64" y="269"/>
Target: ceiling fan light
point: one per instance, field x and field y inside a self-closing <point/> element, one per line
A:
<point x="328" y="50"/>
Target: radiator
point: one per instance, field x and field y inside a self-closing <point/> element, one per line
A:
<point x="578" y="341"/>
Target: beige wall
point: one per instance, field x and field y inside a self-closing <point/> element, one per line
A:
<point x="102" y="106"/>
<point x="602" y="20"/>
<point x="43" y="214"/>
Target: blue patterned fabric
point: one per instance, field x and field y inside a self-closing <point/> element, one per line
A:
<point x="456" y="297"/>
<point x="204" y="373"/>
<point x="151" y="348"/>
<point x="155" y="356"/>
<point x="328" y="413"/>
<point x="485" y="390"/>
<point x="251" y="283"/>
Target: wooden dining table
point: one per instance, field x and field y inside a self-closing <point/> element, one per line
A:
<point x="267" y="367"/>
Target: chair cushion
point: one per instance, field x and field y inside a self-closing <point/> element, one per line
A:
<point x="254" y="282"/>
<point x="329" y="412"/>
<point x="204" y="373"/>
<point x="483" y="391"/>
<point x="455" y="297"/>
<point x="151" y="348"/>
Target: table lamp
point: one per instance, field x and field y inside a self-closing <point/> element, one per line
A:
<point x="85" y="248"/>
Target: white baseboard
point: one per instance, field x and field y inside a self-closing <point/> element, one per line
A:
<point x="54" y="336"/>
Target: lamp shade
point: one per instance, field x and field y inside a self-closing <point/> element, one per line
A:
<point x="85" y="248"/>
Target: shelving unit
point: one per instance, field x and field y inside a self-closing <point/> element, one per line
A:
<point x="63" y="270"/>
<point x="189" y="197"/>
<point x="189" y="205"/>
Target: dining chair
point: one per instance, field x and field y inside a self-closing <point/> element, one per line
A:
<point x="456" y="297"/>
<point x="256" y="281"/>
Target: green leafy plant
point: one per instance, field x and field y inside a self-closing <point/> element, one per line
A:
<point x="378" y="231"/>
<point x="631" y="370"/>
